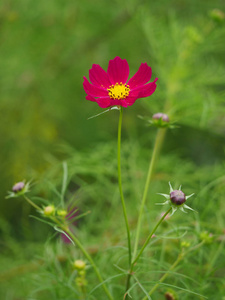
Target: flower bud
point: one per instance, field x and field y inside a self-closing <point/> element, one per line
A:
<point x="169" y="296"/>
<point x="177" y="197"/>
<point x="79" y="264"/>
<point x="61" y="212"/>
<point x="206" y="237"/>
<point x="185" y="244"/>
<point x="161" y="116"/>
<point x="49" y="210"/>
<point x="18" y="187"/>
<point x="217" y="15"/>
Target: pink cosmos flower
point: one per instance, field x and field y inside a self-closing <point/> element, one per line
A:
<point x="113" y="88"/>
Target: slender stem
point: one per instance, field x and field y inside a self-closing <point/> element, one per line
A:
<point x="180" y="257"/>
<point x="150" y="235"/>
<point x="158" y="142"/>
<point x="157" y="146"/>
<point x="85" y="253"/>
<point x="77" y="242"/>
<point x="120" y="183"/>
<point x="145" y="245"/>
<point x="32" y="203"/>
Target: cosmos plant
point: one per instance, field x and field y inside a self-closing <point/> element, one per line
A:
<point x="112" y="89"/>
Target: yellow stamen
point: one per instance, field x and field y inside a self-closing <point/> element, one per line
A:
<point x="118" y="91"/>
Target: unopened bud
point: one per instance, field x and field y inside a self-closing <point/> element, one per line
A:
<point x="61" y="212"/>
<point x="18" y="187"/>
<point x="177" y="197"/>
<point x="185" y="244"/>
<point x="217" y="15"/>
<point x="206" y="237"/>
<point x="169" y="296"/>
<point x="49" y="210"/>
<point x="79" y="264"/>
<point x="161" y="116"/>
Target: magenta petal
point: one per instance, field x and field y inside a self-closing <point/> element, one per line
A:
<point x="104" y="102"/>
<point x="88" y="97"/>
<point x="93" y="90"/>
<point x="146" y="90"/>
<point x="99" y="77"/>
<point x="118" y="70"/>
<point x="142" y="76"/>
<point x="131" y="99"/>
<point x="116" y="102"/>
<point x="123" y="103"/>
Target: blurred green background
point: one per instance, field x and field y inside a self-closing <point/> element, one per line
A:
<point x="46" y="47"/>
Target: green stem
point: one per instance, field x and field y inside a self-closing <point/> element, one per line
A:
<point x="120" y="183"/>
<point x="88" y="257"/>
<point x="32" y="203"/>
<point x="77" y="242"/>
<point x="157" y="146"/>
<point x="150" y="236"/>
<point x="144" y="246"/>
<point x="158" y="142"/>
<point x="180" y="257"/>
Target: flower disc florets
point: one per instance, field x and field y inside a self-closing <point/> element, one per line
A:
<point x="176" y="199"/>
<point x="112" y="88"/>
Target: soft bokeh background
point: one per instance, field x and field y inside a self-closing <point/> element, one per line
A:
<point x="46" y="47"/>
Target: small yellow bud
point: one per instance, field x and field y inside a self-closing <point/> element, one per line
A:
<point x="185" y="244"/>
<point x="49" y="210"/>
<point x="79" y="264"/>
<point x="61" y="212"/>
<point x="206" y="237"/>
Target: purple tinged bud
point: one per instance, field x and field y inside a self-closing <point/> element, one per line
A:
<point x="162" y="116"/>
<point x="18" y="187"/>
<point x="177" y="197"/>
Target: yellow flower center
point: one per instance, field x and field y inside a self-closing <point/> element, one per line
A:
<point x="118" y="91"/>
